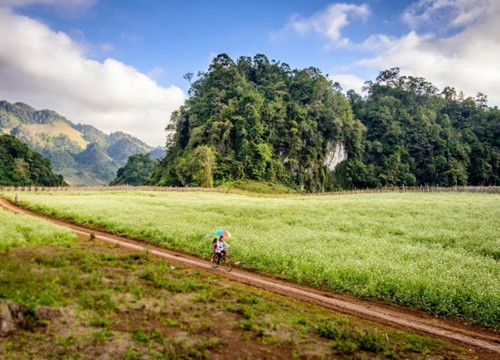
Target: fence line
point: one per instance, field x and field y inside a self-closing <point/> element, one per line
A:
<point x="403" y="189"/>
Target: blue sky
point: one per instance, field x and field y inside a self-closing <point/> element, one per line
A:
<point x="119" y="64"/>
<point x="181" y="36"/>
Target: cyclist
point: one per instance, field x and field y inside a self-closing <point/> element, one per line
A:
<point x="219" y="249"/>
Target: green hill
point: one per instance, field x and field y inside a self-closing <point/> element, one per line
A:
<point x="253" y="119"/>
<point x="259" y="120"/>
<point x="83" y="154"/>
<point x="20" y="166"/>
<point x="94" y="159"/>
<point x="136" y="172"/>
<point x="416" y="135"/>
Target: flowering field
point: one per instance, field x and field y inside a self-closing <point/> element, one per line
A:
<point x="15" y="231"/>
<point x="435" y="252"/>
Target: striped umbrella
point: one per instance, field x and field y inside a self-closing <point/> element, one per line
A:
<point x="224" y="233"/>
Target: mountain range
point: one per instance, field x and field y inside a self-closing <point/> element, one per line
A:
<point x="83" y="154"/>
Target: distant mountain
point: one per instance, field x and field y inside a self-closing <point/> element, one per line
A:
<point x="20" y="166"/>
<point x="82" y="153"/>
<point x="157" y="153"/>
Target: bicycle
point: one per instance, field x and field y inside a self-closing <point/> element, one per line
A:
<point x="225" y="261"/>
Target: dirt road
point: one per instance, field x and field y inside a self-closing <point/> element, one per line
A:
<point x="402" y="318"/>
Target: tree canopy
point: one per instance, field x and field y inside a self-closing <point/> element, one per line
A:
<point x="416" y="135"/>
<point x="259" y="120"/>
<point x="136" y="172"/>
<point x="255" y="119"/>
<point x="20" y="166"/>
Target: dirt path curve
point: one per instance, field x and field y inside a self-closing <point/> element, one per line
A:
<point x="402" y="318"/>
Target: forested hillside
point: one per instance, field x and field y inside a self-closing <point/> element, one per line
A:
<point x="136" y="172"/>
<point x="416" y="135"/>
<point x="20" y="166"/>
<point x="82" y="153"/>
<point x="255" y="119"/>
<point x="261" y="120"/>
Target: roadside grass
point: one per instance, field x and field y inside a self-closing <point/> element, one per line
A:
<point x="16" y="231"/>
<point x="122" y="304"/>
<point x="435" y="252"/>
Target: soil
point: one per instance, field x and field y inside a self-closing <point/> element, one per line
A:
<point x="485" y="340"/>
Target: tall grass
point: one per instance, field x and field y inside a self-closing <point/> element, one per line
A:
<point x="435" y="252"/>
<point x="16" y="230"/>
<point x="258" y="187"/>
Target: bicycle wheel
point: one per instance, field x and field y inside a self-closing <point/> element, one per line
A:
<point x="213" y="262"/>
<point x="228" y="264"/>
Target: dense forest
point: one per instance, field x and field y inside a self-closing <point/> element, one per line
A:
<point x="261" y="120"/>
<point x="416" y="135"/>
<point x="136" y="172"/>
<point x="20" y="166"/>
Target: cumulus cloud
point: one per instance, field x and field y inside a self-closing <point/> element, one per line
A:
<point x="450" y="43"/>
<point x="467" y="60"/>
<point x="328" y="22"/>
<point x="447" y="13"/>
<point x="63" y="8"/>
<point x="349" y="82"/>
<point x="47" y="69"/>
<point x="156" y="72"/>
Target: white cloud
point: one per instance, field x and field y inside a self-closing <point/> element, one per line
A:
<point x="447" y="13"/>
<point x="132" y="38"/>
<point x="156" y="72"/>
<point x="63" y="8"/>
<point x="47" y="69"/>
<point x="65" y="3"/>
<point x="349" y="81"/>
<point x="451" y="43"/>
<point x="467" y="60"/>
<point x="328" y="22"/>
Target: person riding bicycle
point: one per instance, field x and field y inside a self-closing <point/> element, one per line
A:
<point x="219" y="249"/>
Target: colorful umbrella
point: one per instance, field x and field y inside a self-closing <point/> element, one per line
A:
<point x="223" y="233"/>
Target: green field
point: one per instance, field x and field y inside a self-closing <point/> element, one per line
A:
<point x="15" y="231"/>
<point x="87" y="299"/>
<point x="435" y="252"/>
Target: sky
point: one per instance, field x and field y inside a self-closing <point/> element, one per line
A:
<point x="119" y="65"/>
